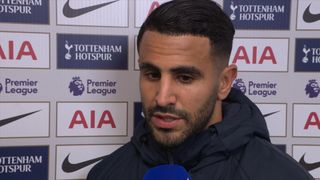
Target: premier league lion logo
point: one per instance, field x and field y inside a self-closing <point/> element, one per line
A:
<point x="239" y="84"/>
<point x="312" y="88"/>
<point x="76" y="86"/>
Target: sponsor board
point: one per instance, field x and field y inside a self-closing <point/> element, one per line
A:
<point x="24" y="50"/>
<point x="308" y="156"/>
<point x="308" y="16"/>
<point x="28" y="162"/>
<point x="251" y="54"/>
<point x="79" y="87"/>
<point x="92" y="52"/>
<point x="276" y="118"/>
<point x="112" y="13"/>
<point x="92" y="119"/>
<point x="307" y="56"/>
<point x="21" y="87"/>
<point x="253" y="14"/>
<point x="74" y="162"/>
<point x="256" y="88"/>
<point x="30" y="118"/>
<point x="26" y="11"/>
<point x="306" y="120"/>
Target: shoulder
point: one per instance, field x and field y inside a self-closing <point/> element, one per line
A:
<point x="263" y="160"/>
<point x="115" y="164"/>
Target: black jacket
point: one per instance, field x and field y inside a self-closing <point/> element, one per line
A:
<point x="237" y="148"/>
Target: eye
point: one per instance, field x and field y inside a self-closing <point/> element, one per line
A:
<point x="185" y="79"/>
<point x="152" y="76"/>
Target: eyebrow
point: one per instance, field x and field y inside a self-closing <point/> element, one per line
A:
<point x="176" y="70"/>
<point x="187" y="70"/>
<point x="148" y="66"/>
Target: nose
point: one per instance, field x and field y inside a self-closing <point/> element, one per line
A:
<point x="166" y="94"/>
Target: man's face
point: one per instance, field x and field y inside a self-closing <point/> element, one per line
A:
<point x="178" y="84"/>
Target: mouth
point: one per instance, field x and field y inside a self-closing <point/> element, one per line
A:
<point x="165" y="121"/>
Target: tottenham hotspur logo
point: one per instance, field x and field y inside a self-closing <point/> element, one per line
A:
<point x="233" y="8"/>
<point x="68" y="48"/>
<point x="312" y="88"/>
<point x="76" y="86"/>
<point x="305" y="50"/>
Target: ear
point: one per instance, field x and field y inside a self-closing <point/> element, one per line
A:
<point x="227" y="76"/>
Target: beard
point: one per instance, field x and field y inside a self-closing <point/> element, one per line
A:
<point x="194" y="123"/>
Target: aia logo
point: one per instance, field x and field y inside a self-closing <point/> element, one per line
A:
<point x="92" y="119"/>
<point x="252" y="54"/>
<point x="312" y="89"/>
<point x="153" y="6"/>
<point x="242" y="54"/>
<point x="306" y="120"/>
<point x="95" y="120"/>
<point x="312" y="120"/>
<point x="25" y="50"/>
<point x="76" y="86"/>
<point x="239" y="84"/>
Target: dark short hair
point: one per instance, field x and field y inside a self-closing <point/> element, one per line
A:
<point x="192" y="17"/>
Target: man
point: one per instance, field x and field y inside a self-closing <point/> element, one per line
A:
<point x="193" y="118"/>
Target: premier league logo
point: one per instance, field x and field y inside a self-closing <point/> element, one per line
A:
<point x="239" y="84"/>
<point x="76" y="86"/>
<point x="312" y="88"/>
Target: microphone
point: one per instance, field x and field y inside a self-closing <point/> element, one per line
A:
<point x="167" y="172"/>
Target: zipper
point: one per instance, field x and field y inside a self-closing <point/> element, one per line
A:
<point x="169" y="156"/>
